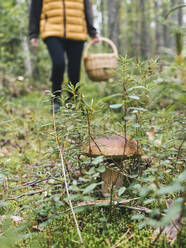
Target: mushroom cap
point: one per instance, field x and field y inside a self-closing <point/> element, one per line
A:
<point x="116" y="147"/>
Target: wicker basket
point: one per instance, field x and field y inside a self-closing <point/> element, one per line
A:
<point x="100" y="66"/>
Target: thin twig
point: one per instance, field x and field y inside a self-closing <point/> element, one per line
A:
<point x="158" y="235"/>
<point x="64" y="175"/>
<point x="32" y="183"/>
<point x="25" y="194"/>
<point x="95" y="143"/>
<point x="138" y="208"/>
<point x="120" y="240"/>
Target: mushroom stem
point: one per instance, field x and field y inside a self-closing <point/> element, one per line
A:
<point x="111" y="178"/>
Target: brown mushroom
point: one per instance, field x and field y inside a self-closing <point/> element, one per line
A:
<point x="115" y="148"/>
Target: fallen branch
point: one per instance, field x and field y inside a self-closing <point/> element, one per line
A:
<point x="98" y="202"/>
<point x="107" y="203"/>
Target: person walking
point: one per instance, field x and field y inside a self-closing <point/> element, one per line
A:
<point x="64" y="26"/>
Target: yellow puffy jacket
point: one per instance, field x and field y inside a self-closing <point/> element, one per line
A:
<point x="63" y="18"/>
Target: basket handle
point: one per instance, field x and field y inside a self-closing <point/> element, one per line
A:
<point x="101" y="39"/>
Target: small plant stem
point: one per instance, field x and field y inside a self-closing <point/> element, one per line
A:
<point x="179" y="149"/>
<point x="95" y="143"/>
<point x="125" y="114"/>
<point x="137" y="121"/>
<point x="65" y="178"/>
<point x="125" y="81"/>
<point x="89" y="134"/>
<point x="111" y="200"/>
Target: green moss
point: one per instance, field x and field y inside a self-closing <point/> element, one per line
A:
<point x="97" y="232"/>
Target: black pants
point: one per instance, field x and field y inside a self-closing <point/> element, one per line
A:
<point x="57" y="48"/>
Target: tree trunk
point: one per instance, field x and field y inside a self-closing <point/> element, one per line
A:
<point x="166" y="38"/>
<point x="123" y="29"/>
<point x="114" y="21"/>
<point x="144" y="34"/>
<point x="174" y="18"/>
<point x="25" y="45"/>
<point x="157" y="28"/>
<point x="135" y="29"/>
<point x="180" y="14"/>
<point x="102" y="7"/>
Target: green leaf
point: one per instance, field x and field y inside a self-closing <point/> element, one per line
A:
<point x="107" y="98"/>
<point x="128" y="118"/>
<point x="101" y="169"/>
<point x="170" y="189"/>
<point x="82" y="179"/>
<point x="3" y="204"/>
<point x="138" y="217"/>
<point x="2" y="176"/>
<point x="138" y="109"/>
<point x="182" y="177"/>
<point x="103" y="219"/>
<point x="98" y="160"/>
<point x="73" y="197"/>
<point x="56" y="198"/>
<point x="149" y="201"/>
<point x="74" y="188"/>
<point x="74" y="182"/>
<point x="137" y="87"/>
<point x="91" y="171"/>
<point x="80" y="209"/>
<point x="116" y="106"/>
<point x="134" y="97"/>
<point x="121" y="191"/>
<point x="95" y="175"/>
<point x="136" y="125"/>
<point x="90" y="188"/>
<point x="87" y="198"/>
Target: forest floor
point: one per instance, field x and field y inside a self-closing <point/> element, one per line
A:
<point x="32" y="185"/>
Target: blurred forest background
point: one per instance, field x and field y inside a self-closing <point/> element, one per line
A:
<point x="142" y="28"/>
